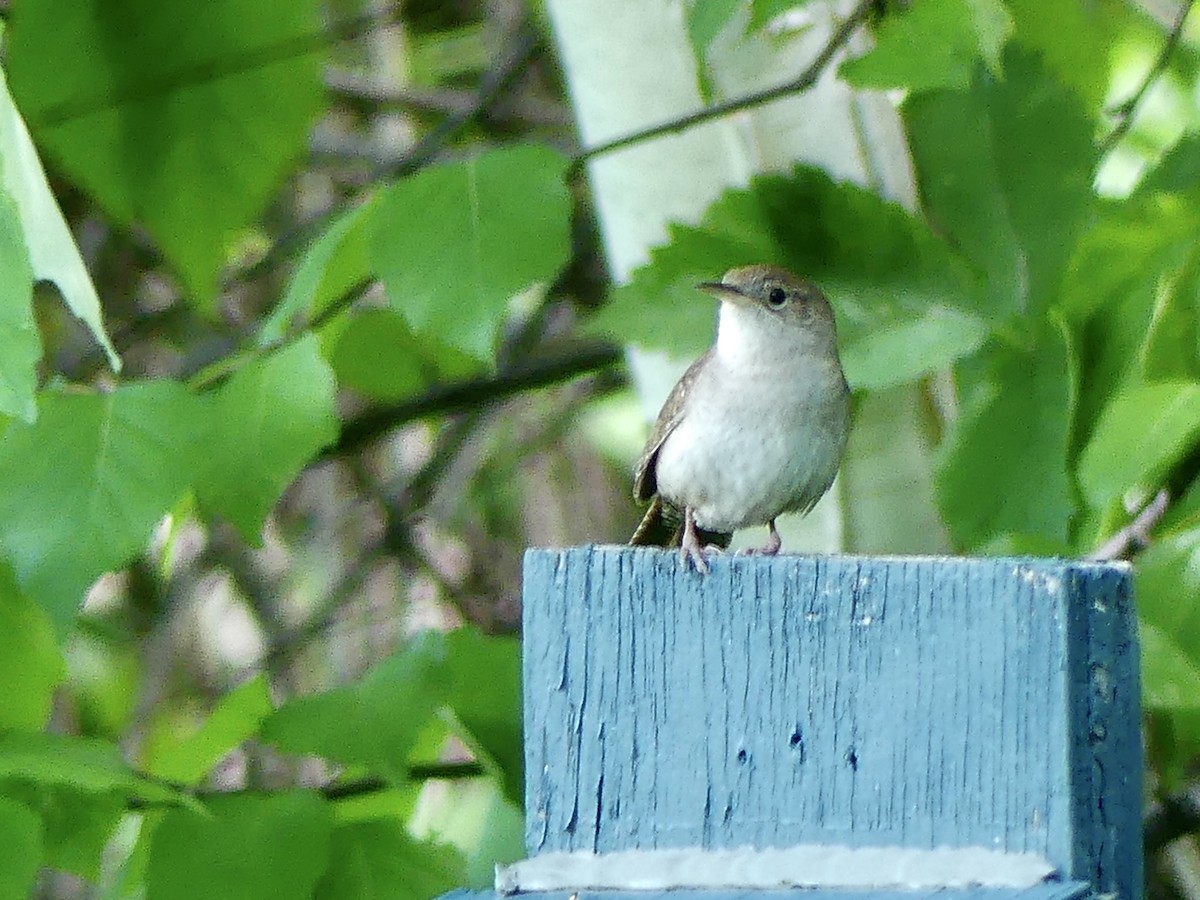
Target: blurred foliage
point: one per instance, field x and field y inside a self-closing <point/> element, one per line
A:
<point x="258" y="576"/>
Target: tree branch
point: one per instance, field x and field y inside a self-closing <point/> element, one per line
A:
<point x="1124" y="112"/>
<point x="427" y="772"/>
<point x="549" y="369"/>
<point x="1135" y="535"/>
<point x="335" y="791"/>
<point x="215" y="374"/>
<point x="797" y="85"/>
<point x="443" y="100"/>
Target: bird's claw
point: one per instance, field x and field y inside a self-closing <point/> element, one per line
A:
<point x="690" y="548"/>
<point x="693" y="556"/>
<point x="697" y="556"/>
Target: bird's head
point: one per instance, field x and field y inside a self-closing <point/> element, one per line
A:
<point x="765" y="305"/>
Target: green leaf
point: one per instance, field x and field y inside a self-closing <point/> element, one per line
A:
<point x="31" y="666"/>
<point x="705" y="20"/>
<point x="82" y="764"/>
<point x="1178" y="171"/>
<point x="386" y="803"/>
<point x="485" y="696"/>
<point x="378" y="860"/>
<point x="53" y="255"/>
<point x="186" y="131"/>
<point x="189" y="759"/>
<point x="888" y="277"/>
<point x="1127" y="294"/>
<point x="993" y="26"/>
<point x="265" y="424"/>
<point x="1128" y="245"/>
<point x="764" y="12"/>
<point x="116" y="461"/>
<point x="1170" y="671"/>
<point x="249" y="847"/>
<point x="1172" y="346"/>
<point x="481" y="822"/>
<point x="1139" y="435"/>
<point x="454" y="243"/>
<point x="20" y="343"/>
<point x="1167" y="581"/>
<point x="105" y="677"/>
<point x="333" y="265"/>
<point x="20" y="851"/>
<point x="1005" y="467"/>
<point x="1167" y="584"/>
<point x="1005" y="172"/>
<point x="126" y="857"/>
<point x="76" y="825"/>
<point x="900" y="352"/>
<point x="376" y="354"/>
<point x="446" y="54"/>
<point x="952" y="34"/>
<point x="1074" y="39"/>
<point x="374" y="723"/>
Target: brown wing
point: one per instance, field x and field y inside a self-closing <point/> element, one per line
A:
<point x="645" y="481"/>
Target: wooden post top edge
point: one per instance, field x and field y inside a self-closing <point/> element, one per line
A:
<point x="1121" y="567"/>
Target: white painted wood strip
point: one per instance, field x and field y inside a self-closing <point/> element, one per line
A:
<point x="811" y="866"/>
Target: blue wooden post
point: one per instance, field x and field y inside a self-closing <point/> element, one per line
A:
<point x="829" y="723"/>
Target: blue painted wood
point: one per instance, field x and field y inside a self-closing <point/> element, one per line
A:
<point x="861" y="701"/>
<point x="1069" y="890"/>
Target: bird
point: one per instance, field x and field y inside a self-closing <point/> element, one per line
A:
<point x="755" y="428"/>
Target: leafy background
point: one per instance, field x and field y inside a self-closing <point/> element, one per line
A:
<point x="305" y="334"/>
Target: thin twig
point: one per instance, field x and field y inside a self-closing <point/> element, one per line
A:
<point x="1124" y="112"/>
<point x="217" y="373"/>
<point x="445" y="398"/>
<point x="445" y="101"/>
<point x="797" y="85"/>
<point x="427" y="772"/>
<point x="359" y="89"/>
<point x="1135" y="535"/>
<point x="335" y="791"/>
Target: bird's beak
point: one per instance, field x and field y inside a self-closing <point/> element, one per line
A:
<point x="725" y="292"/>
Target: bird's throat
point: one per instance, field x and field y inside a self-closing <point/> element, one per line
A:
<point x="748" y="340"/>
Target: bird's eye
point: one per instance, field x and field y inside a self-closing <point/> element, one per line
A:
<point x="777" y="297"/>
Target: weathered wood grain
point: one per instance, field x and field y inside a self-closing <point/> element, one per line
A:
<point x="858" y="701"/>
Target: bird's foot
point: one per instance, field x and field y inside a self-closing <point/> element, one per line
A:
<point x="774" y="543"/>
<point x="697" y="557"/>
<point x="690" y="549"/>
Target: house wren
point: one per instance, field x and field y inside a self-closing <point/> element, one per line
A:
<point x="755" y="427"/>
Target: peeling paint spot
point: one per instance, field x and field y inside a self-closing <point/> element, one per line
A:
<point x="1048" y="582"/>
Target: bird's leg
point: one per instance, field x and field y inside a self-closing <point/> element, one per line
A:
<point x="690" y="549"/>
<point x="774" y="543"/>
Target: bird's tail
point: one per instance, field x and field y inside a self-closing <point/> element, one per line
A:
<point x="661" y="526"/>
<point x="655" y="530"/>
